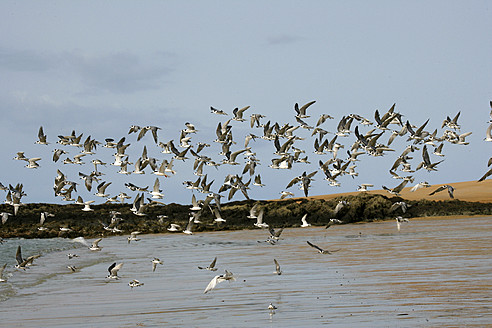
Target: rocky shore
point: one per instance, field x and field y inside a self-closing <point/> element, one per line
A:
<point x="363" y="207"/>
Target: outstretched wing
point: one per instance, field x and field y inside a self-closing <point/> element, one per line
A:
<point x="211" y="285"/>
<point x="314" y="246"/>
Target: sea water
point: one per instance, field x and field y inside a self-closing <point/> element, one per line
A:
<point x="433" y="272"/>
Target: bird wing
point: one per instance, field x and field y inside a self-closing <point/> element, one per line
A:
<point x="213" y="263"/>
<point x="277" y="266"/>
<point x="211" y="285"/>
<point x="314" y="246"/>
<point x="441" y="188"/>
<point x="18" y="255"/>
<point x="114" y="268"/>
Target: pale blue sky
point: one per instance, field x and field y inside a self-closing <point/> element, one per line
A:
<point x="100" y="66"/>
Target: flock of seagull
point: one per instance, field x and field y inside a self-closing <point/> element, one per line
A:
<point x="333" y="167"/>
<point x="285" y="139"/>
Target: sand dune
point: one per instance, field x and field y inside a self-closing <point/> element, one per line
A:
<point x="470" y="191"/>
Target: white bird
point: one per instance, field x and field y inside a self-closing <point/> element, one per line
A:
<point x="5" y="216"/>
<point x="93" y="247"/>
<point x="304" y="222"/>
<point x="364" y="187"/>
<point x="135" y="283"/>
<point x="211" y="267"/>
<point x="419" y="185"/>
<point x="32" y="163"/>
<point x="113" y="271"/>
<point x="155" y="261"/>
<point x="133" y="236"/>
<point x="404" y="206"/>
<point x="259" y="220"/>
<point x="219" y="278"/>
<point x="174" y="227"/>
<point x="189" y="227"/>
<point x="399" y="220"/>
<point x="156" y="192"/>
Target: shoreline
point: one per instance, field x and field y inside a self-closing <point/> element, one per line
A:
<point x="361" y="207"/>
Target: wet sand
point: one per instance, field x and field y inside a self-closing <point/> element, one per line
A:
<point x="431" y="273"/>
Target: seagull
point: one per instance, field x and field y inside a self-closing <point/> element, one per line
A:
<point x="272" y="307"/>
<point x="219" y="278"/>
<point x="419" y="185"/>
<point x="449" y="188"/>
<point x="277" y="268"/>
<point x="217" y="111"/>
<point x="133" y="236"/>
<point x="155" y="261"/>
<point x="43" y="217"/>
<point x="304" y="222"/>
<point x="21" y="262"/>
<point x="5" y="216"/>
<point x="364" y="187"/>
<point x="259" y="220"/>
<point x="2" y="277"/>
<point x="404" y="206"/>
<point x="113" y="271"/>
<point x="253" y="211"/>
<point x="189" y="227"/>
<point x="32" y="163"/>
<point x="72" y="268"/>
<point x="95" y="244"/>
<point x="135" y="283"/>
<point x="41" y="137"/>
<point x="275" y="235"/>
<point x="211" y="267"/>
<point x="320" y="250"/>
<point x="399" y="220"/>
<point x="71" y="256"/>
<point x="174" y="227"/>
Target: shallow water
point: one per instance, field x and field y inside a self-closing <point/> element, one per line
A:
<point x="432" y="273"/>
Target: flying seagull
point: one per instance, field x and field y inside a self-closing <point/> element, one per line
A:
<point x="211" y="267"/>
<point x="399" y="220"/>
<point x="113" y="271"/>
<point x="304" y="222"/>
<point x="449" y="188"/>
<point x="320" y="250"/>
<point x="277" y="268"/>
<point x="219" y="278"/>
<point x="155" y="261"/>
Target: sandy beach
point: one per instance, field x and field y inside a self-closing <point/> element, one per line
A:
<point x="470" y="191"/>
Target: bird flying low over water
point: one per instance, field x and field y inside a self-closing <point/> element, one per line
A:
<point x="399" y="220"/>
<point x="277" y="268"/>
<point x="135" y="283"/>
<point x="155" y="261"/>
<point x="320" y="250"/>
<point x="304" y="222"/>
<point x="2" y="277"/>
<point x="219" y="278"/>
<point x="113" y="271"/>
<point x="21" y="262"/>
<point x="211" y="267"/>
